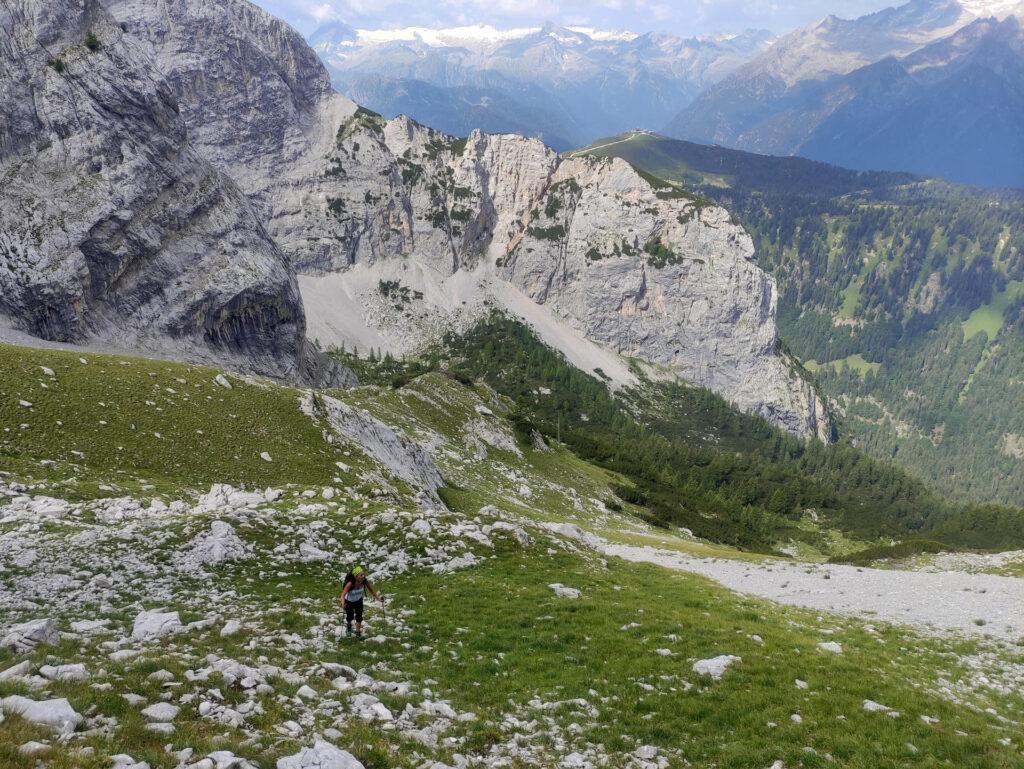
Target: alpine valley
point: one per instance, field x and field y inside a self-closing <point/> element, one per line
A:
<point x="659" y="454"/>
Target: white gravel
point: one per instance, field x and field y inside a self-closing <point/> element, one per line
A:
<point x="938" y="602"/>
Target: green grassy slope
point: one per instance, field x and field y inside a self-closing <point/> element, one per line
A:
<point x="543" y="676"/>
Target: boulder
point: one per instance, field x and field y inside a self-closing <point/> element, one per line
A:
<point x="715" y="666"/>
<point x="564" y="592"/>
<point x="323" y="755"/>
<point x="21" y="670"/>
<point x="156" y="624"/>
<point x="231" y="627"/>
<point x="77" y="672"/>
<point x="57" y="714"/>
<point x="29" y="635"/>
<point x="220" y="545"/>
<point x="310" y="553"/>
<point x="369" y="708"/>
<point x="161" y="711"/>
<point x="225" y="759"/>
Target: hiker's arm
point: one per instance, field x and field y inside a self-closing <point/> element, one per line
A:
<point x="344" y="593"/>
<point x="373" y="591"/>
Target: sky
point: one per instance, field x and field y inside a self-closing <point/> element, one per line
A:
<point x="683" y="17"/>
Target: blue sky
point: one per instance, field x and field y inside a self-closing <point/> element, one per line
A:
<point x="685" y="17"/>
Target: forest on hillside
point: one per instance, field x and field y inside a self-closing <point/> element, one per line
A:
<point x="904" y="295"/>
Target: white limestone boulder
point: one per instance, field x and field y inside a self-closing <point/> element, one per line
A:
<point x="323" y="755"/>
<point x="56" y="714"/>
<point x="29" y="635"/>
<point x="156" y="624"/>
<point x="715" y="667"/>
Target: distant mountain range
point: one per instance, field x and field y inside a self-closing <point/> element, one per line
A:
<point x="935" y="87"/>
<point x="566" y="86"/>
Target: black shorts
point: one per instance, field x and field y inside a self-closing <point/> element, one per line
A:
<point x="354" y="608"/>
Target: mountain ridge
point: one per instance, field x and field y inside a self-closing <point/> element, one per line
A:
<point x="114" y="228"/>
<point x="857" y="93"/>
<point x="575" y="81"/>
<point x="591" y="250"/>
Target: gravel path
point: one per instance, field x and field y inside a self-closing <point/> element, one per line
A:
<point x="940" y="603"/>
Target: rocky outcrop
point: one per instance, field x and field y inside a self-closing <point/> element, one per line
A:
<point x="398" y="454"/>
<point x="113" y="229"/>
<point x="433" y="220"/>
<point x="663" y="277"/>
<point x="257" y="102"/>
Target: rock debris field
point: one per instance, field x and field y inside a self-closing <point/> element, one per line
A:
<point x="937" y="602"/>
<point x="128" y="583"/>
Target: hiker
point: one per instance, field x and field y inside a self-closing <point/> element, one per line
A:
<point x="356" y="584"/>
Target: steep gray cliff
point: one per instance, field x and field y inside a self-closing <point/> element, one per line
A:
<point x="113" y="230"/>
<point x="641" y="271"/>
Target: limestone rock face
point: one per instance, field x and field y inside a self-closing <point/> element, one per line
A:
<point x="113" y="229"/>
<point x="664" y="278"/>
<point x="433" y="223"/>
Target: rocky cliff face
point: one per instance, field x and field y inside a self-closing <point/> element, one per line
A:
<point x="645" y="272"/>
<point x="113" y="230"/>
<point x="664" y="278"/>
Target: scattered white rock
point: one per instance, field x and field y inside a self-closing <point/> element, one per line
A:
<point x="156" y="624"/>
<point x="715" y="666"/>
<point x="225" y="759"/>
<point x="831" y="647"/>
<point x="76" y="672"/>
<point x="29" y="635"/>
<point x="368" y="707"/>
<point x="222" y="381"/>
<point x="231" y="627"/>
<point x="20" y="670"/>
<point x="89" y="625"/>
<point x="33" y="748"/>
<point x="562" y="591"/>
<point x="56" y="714"/>
<point x="310" y="553"/>
<point x="323" y="755"/>
<point x="220" y="545"/>
<point x="265" y="456"/>
<point x="161" y="711"/>
<point x="871" y="706"/>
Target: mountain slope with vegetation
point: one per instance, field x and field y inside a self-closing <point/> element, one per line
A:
<point x="903" y="294"/>
<point x="691" y="460"/>
<point x="185" y="619"/>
